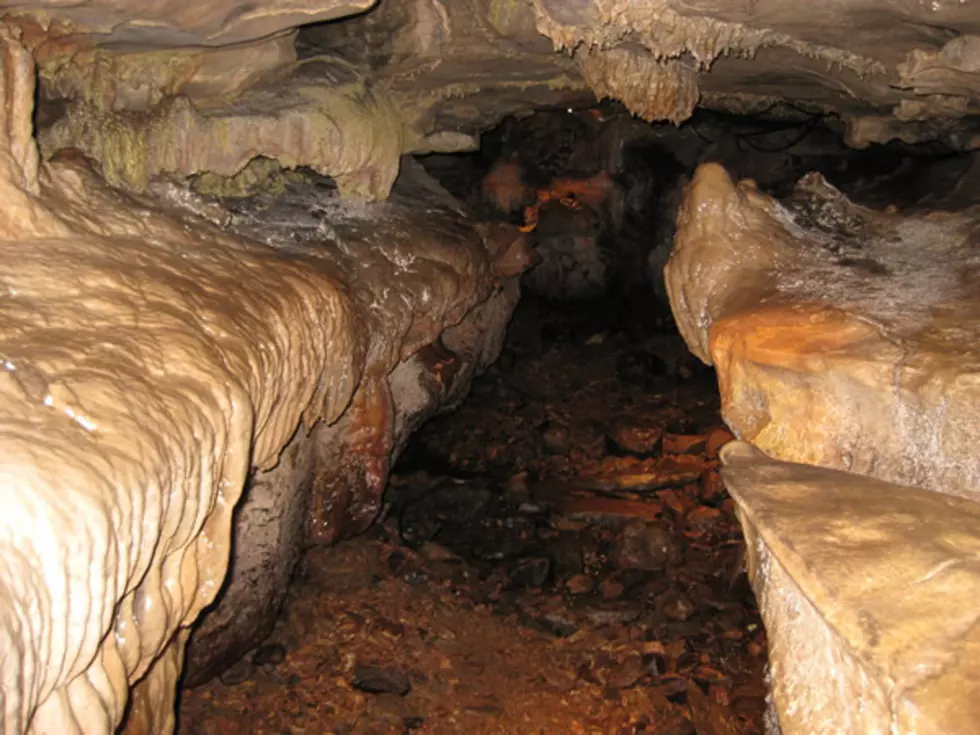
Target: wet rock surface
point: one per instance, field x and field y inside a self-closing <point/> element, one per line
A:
<point x="857" y="608"/>
<point x="511" y="587"/>
<point x="845" y="338"/>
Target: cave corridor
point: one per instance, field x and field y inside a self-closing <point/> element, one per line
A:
<point x="491" y="366"/>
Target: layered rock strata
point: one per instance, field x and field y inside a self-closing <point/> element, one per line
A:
<point x="845" y="338"/>
<point x="152" y="362"/>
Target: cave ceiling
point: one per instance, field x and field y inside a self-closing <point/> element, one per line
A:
<point x="348" y="86"/>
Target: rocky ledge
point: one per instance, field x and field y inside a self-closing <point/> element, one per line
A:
<point x="845" y="338"/>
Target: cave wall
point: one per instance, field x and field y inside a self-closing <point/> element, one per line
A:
<point x="157" y="358"/>
<point x="845" y="344"/>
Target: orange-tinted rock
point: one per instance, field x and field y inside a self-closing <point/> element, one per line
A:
<point x="845" y="338"/>
<point x="640" y="441"/>
<point x="717" y="438"/>
<point x="684" y="443"/>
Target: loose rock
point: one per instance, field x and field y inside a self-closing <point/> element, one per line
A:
<point x="555" y="439"/>
<point x="639" y="441"/>
<point x="269" y="654"/>
<point x="377" y="680"/>
<point x="531" y="572"/>
<point x="648" y="546"/>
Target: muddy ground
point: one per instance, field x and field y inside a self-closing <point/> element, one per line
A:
<point x="557" y="556"/>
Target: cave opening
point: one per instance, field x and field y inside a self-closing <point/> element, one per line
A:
<point x="569" y="514"/>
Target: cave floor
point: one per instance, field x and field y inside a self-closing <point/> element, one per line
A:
<point x="557" y="556"/>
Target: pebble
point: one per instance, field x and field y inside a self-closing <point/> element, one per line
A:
<point x="611" y="589"/>
<point x="579" y="584"/>
<point x="377" y="680"/>
<point x="238" y="672"/>
<point x="677" y="607"/>
<point x="711" y="488"/>
<point x="614" y="613"/>
<point x="704" y="517"/>
<point x="627" y="673"/>
<point x="516" y="488"/>
<point x="434" y="552"/>
<point x="639" y="441"/>
<point x="642" y="545"/>
<point x="717" y="438"/>
<point x="684" y="443"/>
<point x="558" y="624"/>
<point x="531" y="572"/>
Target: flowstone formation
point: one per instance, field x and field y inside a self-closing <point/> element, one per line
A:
<point x="845" y="338"/>
<point x="157" y="357"/>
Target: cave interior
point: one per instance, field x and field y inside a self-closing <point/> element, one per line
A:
<point x="490" y="366"/>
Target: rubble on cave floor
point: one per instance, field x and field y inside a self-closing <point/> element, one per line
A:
<point x="557" y="556"/>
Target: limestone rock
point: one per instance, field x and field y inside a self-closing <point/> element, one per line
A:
<point x="867" y="591"/>
<point x="176" y="23"/>
<point x="158" y="360"/>
<point x="845" y="338"/>
<point x="114" y="80"/>
<point x="329" y="483"/>
<point x="326" y="117"/>
<point x="842" y="336"/>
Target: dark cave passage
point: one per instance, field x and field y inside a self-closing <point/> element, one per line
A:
<point x="598" y="189"/>
<point x="569" y="514"/>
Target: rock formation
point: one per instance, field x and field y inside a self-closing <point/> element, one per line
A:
<point x="157" y="357"/>
<point x="187" y="360"/>
<point x="844" y="339"/>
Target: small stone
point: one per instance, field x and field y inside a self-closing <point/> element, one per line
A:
<point x="704" y="517"/>
<point x="614" y="613"/>
<point x="530" y="509"/>
<point x="717" y="438"/>
<point x="516" y="488"/>
<point x="711" y="487"/>
<point x="611" y="588"/>
<point x="602" y="509"/>
<point x="651" y="648"/>
<point x="269" y="654"/>
<point x="677" y="607"/>
<point x="434" y="552"/>
<point x="639" y="441"/>
<point x="648" y="546"/>
<point x="377" y="680"/>
<point x="627" y="673"/>
<point x="566" y="551"/>
<point x="684" y="443"/>
<point x="556" y="439"/>
<point x="558" y="624"/>
<point x="580" y="584"/>
<point x="531" y="572"/>
<point x="560" y="680"/>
